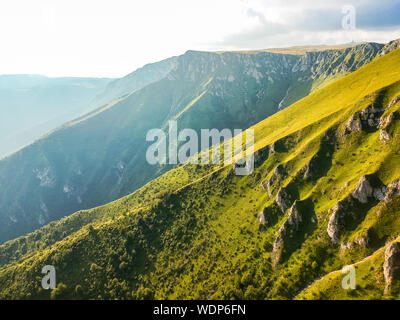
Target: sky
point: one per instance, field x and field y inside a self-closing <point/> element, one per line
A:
<point x="111" y="38"/>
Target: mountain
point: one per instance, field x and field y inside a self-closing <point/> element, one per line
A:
<point x="324" y="194"/>
<point x="31" y="105"/>
<point x="136" y="80"/>
<point x="100" y="157"/>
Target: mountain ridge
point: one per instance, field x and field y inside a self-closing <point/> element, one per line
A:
<point x="221" y="90"/>
<point x="165" y="242"/>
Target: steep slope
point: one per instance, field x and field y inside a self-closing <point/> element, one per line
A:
<point x="266" y="235"/>
<point x="136" y="80"/>
<point x="101" y="156"/>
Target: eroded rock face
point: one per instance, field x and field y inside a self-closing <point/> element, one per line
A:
<point x="309" y="171"/>
<point x="393" y="190"/>
<point x="261" y="218"/>
<point x="283" y="200"/>
<point x="367" y="119"/>
<point x="364" y="190"/>
<point x="337" y="220"/>
<point x="291" y="224"/>
<point x="366" y="239"/>
<point x="277" y="177"/>
<point x="391" y="266"/>
<point x="369" y="188"/>
<point x="384" y="135"/>
<point x="370" y="116"/>
<point x="354" y="124"/>
<point x="394" y="101"/>
<point x="291" y="230"/>
<point x="386" y="120"/>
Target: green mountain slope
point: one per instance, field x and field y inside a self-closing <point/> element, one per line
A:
<point x="100" y="157"/>
<point x="325" y="193"/>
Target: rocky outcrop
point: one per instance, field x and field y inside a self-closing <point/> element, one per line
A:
<point x="393" y="190"/>
<point x="391" y="266"/>
<point x="367" y="119"/>
<point x="291" y="233"/>
<point x="348" y="211"/>
<point x="354" y="124"/>
<point x="339" y="213"/>
<point x="368" y="187"/>
<point x="394" y="101"/>
<point x="366" y="239"/>
<point x="386" y="120"/>
<point x="277" y="177"/>
<point x="384" y="135"/>
<point x="283" y="199"/>
<point x="272" y="148"/>
<point x="370" y="116"/>
<point x="389" y="47"/>
<point x="261" y="218"/>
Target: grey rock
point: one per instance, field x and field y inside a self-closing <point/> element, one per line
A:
<point x="391" y="265"/>
<point x="261" y="218"/>
<point x="363" y="190"/>
<point x="353" y="125"/>
<point x="339" y="212"/>
<point x="394" y="101"/>
<point x="393" y="190"/>
<point x="384" y="135"/>
<point x="283" y="200"/>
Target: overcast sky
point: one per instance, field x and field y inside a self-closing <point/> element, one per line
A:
<point x="110" y="38"/>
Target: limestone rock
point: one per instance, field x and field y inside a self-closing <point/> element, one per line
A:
<point x="369" y="188"/>
<point x="366" y="189"/>
<point x="292" y="231"/>
<point x="393" y="190"/>
<point x="363" y="190"/>
<point x="261" y="218"/>
<point x="391" y="266"/>
<point x="354" y="124"/>
<point x="387" y="119"/>
<point x="384" y="135"/>
<point x="394" y="101"/>
<point x="283" y="200"/>
<point x="277" y="177"/>
<point x="366" y="239"/>
<point x="272" y="148"/>
<point x="339" y="214"/>
<point x="291" y="224"/>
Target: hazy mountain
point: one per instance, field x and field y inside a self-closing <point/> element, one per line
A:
<point x="101" y="156"/>
<point x="324" y="194"/>
<point x="32" y="105"/>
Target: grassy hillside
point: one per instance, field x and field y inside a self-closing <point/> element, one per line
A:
<point x="340" y="144"/>
<point x="100" y="157"/>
